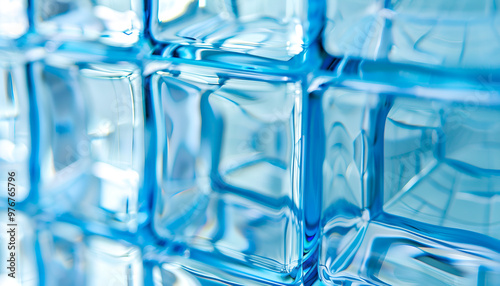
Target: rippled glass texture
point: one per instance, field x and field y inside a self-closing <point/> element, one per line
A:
<point x="91" y="153"/>
<point x="272" y="29"/>
<point x="15" y="136"/>
<point x="116" y="23"/>
<point x="14" y="20"/>
<point x="411" y="180"/>
<point x="464" y="34"/>
<point x="178" y="270"/>
<point x="69" y="257"/>
<point x="231" y="168"/>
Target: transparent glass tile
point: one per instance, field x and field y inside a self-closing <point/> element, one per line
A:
<point x="231" y="169"/>
<point x="182" y="271"/>
<point x="306" y="61"/>
<point x="26" y="271"/>
<point x="116" y="23"/>
<point x="71" y="258"/>
<point x="438" y="33"/>
<point x="270" y="29"/>
<point x="15" y="136"/>
<point x="410" y="183"/>
<point x="91" y="153"/>
<point x="390" y="255"/>
<point x="442" y="162"/>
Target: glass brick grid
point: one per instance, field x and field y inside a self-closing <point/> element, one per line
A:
<point x="168" y="142"/>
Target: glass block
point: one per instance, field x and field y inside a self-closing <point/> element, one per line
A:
<point x="14" y="21"/>
<point x="26" y="271"/>
<point x="270" y="29"/>
<point x="15" y="136"/>
<point x="436" y="33"/>
<point x="410" y="186"/>
<point x="91" y="153"/>
<point x="230" y="169"/>
<point x="116" y="23"/>
<point x="70" y="257"/>
<point x="167" y="270"/>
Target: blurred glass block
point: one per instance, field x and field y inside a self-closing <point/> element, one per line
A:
<point x="69" y="257"/>
<point x="270" y="29"/>
<point x="438" y="33"/>
<point x="115" y="23"/>
<point x="231" y="168"/>
<point x="91" y="154"/>
<point x="14" y="21"/>
<point x="172" y="271"/>
<point x="15" y="137"/>
<point x="309" y="59"/>
<point x="26" y="271"/>
<point x="411" y="184"/>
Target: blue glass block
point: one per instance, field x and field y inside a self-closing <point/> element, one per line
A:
<point x="14" y="21"/>
<point x="462" y="34"/>
<point x="15" y="137"/>
<point x="92" y="144"/>
<point x="70" y="257"/>
<point x="410" y="176"/>
<point x="115" y="23"/>
<point x="170" y="270"/>
<point x="270" y="29"/>
<point x="26" y="271"/>
<point x="231" y="167"/>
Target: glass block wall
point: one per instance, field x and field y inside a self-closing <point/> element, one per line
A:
<point x="286" y="142"/>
